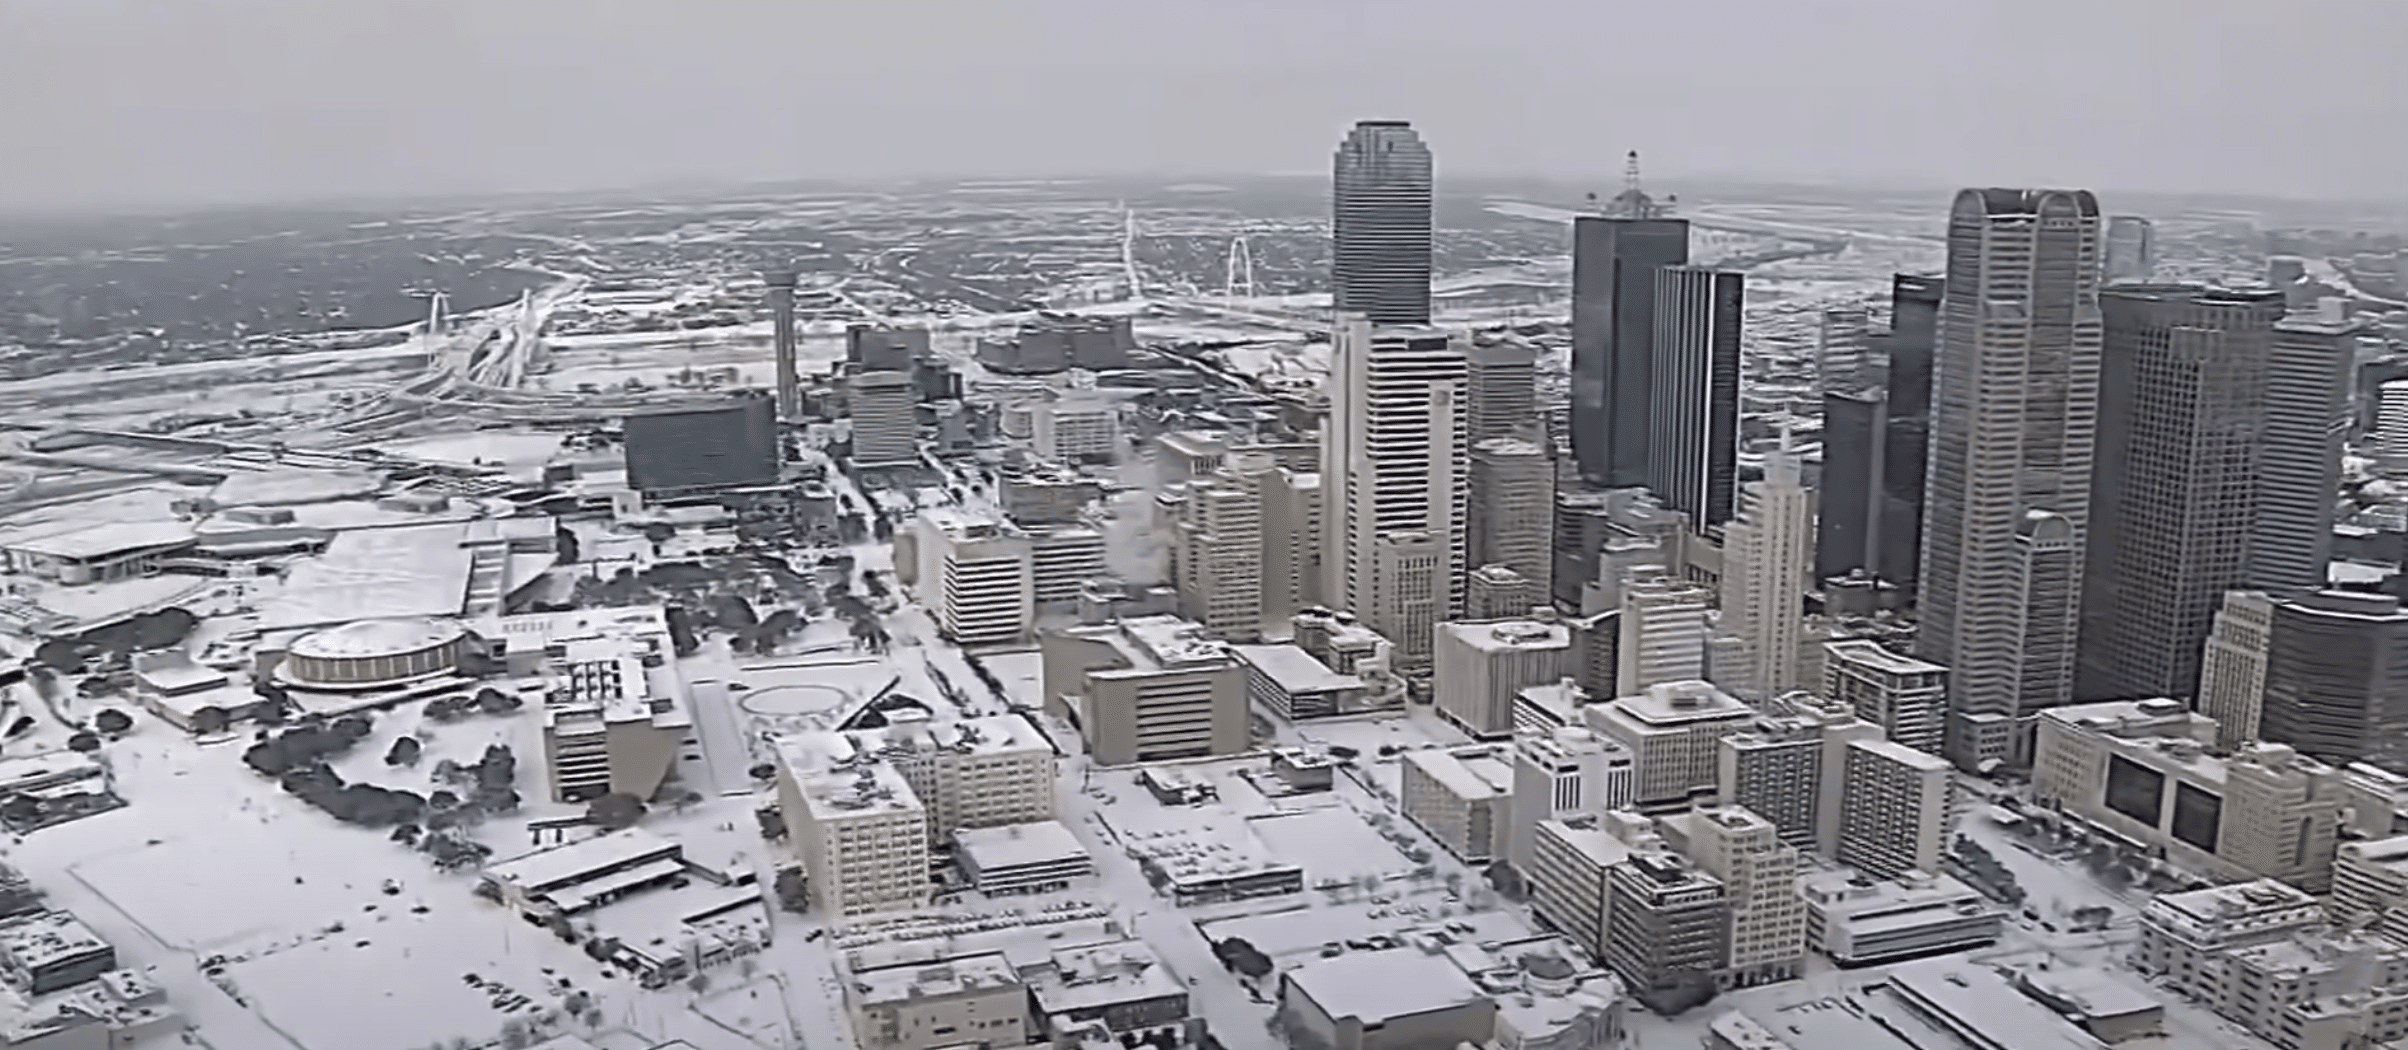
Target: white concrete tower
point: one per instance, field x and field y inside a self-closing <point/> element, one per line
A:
<point x="1769" y="551"/>
<point x="1395" y="478"/>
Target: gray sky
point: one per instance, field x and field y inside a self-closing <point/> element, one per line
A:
<point x="141" y="102"/>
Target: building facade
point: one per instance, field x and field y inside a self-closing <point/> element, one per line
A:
<point x="1766" y="555"/>
<point x="1395" y="481"/>
<point x="1693" y="418"/>
<point x="1614" y="264"/>
<point x="1380" y="224"/>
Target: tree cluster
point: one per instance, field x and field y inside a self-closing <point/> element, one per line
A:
<point x="488" y="701"/>
<point x="1239" y="955"/>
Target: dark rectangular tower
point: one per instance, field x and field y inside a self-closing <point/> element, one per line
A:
<point x="1614" y="260"/>
<point x="1693" y="422"/>
<point x="1380" y="220"/>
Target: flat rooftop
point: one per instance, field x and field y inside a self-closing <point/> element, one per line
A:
<point x="1089" y="976"/>
<point x="376" y="574"/>
<point x="1873" y="654"/>
<point x="1379" y="985"/>
<point x="1019" y="845"/>
<point x="959" y="976"/>
<point x="1976" y="998"/>
<point x="1674" y="703"/>
<point x="1903" y="755"/>
<point x="1294" y="670"/>
<point x="565" y="865"/>
<point x="1510" y="635"/>
<point x="1474" y="778"/>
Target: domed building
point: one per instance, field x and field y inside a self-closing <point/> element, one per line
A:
<point x="369" y="654"/>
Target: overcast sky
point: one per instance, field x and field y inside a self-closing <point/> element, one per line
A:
<point x="109" y="103"/>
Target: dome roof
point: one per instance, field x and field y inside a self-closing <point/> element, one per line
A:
<point x="372" y="638"/>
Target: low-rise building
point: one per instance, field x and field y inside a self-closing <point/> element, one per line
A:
<point x="45" y="953"/>
<point x="1289" y="683"/>
<point x="1110" y="993"/>
<point x="1482" y="666"/>
<point x="1021" y="858"/>
<point x="974" y="1001"/>
<point x="1857" y="921"/>
<point x="1571" y="879"/>
<point x="1399" y="999"/>
<point x="1672" y="731"/>
<point x="2370" y="885"/>
<point x="1981" y="1008"/>
<point x="1669" y="924"/>
<point x="2186" y="938"/>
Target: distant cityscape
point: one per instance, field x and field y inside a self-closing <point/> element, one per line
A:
<point x="1209" y="617"/>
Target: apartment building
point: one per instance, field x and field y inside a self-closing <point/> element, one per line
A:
<point x="1668" y="922"/>
<point x="1462" y="799"/>
<point x="1894" y="812"/>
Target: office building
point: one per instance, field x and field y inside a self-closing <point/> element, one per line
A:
<point x="1668" y="926"/>
<point x="2185" y="938"/>
<point x="2015" y="404"/>
<point x="925" y="1006"/>
<point x="1614" y="264"/>
<point x="2131" y="248"/>
<point x="1063" y="560"/>
<point x="1558" y="774"/>
<point x="976" y="577"/>
<point x="1395" y="479"/>
<point x="2370" y="886"/>
<point x="2391" y="428"/>
<point x="1463" y="799"/>
<point x="699" y="449"/>
<point x="861" y="831"/>
<point x="880" y="348"/>
<point x="2142" y="771"/>
<point x="1480" y="667"/>
<point x="2337" y="679"/>
<point x="1076" y="430"/>
<point x="611" y="725"/>
<point x="884" y="408"/>
<point x="1909" y="348"/>
<point x="1671" y="730"/>
<point x="1906" y="697"/>
<point x="1148" y="689"/>
<point x="1843" y="358"/>
<point x="2181" y="409"/>
<point x="1050" y="343"/>
<point x="1380" y="224"/>
<point x="1766" y="554"/>
<point x="1894" y="814"/>
<point x="1570" y="876"/>
<point x="1847" y="529"/>
<point x="1856" y="921"/>
<point x="1693" y="414"/>
<point x="1216" y="531"/>
<point x="2309" y="368"/>
<point x="1791" y="770"/>
<point x="1502" y="390"/>
<point x="1494" y="592"/>
<point x="2232" y="667"/>
<point x="1291" y="525"/>
<point x="1759" y="873"/>
<point x="1393" y="999"/>
<point x="1512" y="509"/>
<point x="1662" y="635"/>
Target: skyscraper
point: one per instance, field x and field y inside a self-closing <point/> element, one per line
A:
<point x="2337" y="679"/>
<point x="1766" y="554"/>
<point x="1693" y="382"/>
<point x="1909" y="347"/>
<point x="2232" y="668"/>
<point x="1394" y="481"/>
<point x="2006" y="513"/>
<point x="2308" y="379"/>
<point x="1614" y="260"/>
<point x="1512" y="511"/>
<point x="2172" y="496"/>
<point x="1504" y="391"/>
<point x="1380" y="222"/>
<point x="1848" y="526"/>
<point x="1842" y="350"/>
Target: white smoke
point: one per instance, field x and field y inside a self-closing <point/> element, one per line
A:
<point x="1134" y="548"/>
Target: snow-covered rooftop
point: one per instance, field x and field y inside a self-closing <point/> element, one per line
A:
<point x="1014" y="845"/>
<point x="367" y="638"/>
<point x="1376" y="986"/>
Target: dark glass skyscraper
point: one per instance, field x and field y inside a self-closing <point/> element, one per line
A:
<point x="1693" y="422"/>
<point x="1380" y="219"/>
<point x="2173" y="496"/>
<point x="1874" y="443"/>
<point x="1614" y="262"/>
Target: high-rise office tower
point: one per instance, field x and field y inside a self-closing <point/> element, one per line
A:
<point x="1693" y="418"/>
<point x="2337" y="679"/>
<point x="1894" y="817"/>
<point x="2232" y="667"/>
<point x="2309" y="368"/>
<point x="1380" y="222"/>
<point x="1908" y="347"/>
<point x="1292" y="576"/>
<point x="1216" y="525"/>
<point x="1663" y="635"/>
<point x="1843" y="350"/>
<point x="2015" y="404"/>
<point x="1512" y="511"/>
<point x="1503" y="392"/>
<point x="2171" y="497"/>
<point x="885" y="410"/>
<point x="1871" y="489"/>
<point x="1906" y="697"/>
<point x="1614" y="260"/>
<point x="1395" y="480"/>
<point x="2391" y="428"/>
<point x="1766" y="555"/>
<point x="2131" y="248"/>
